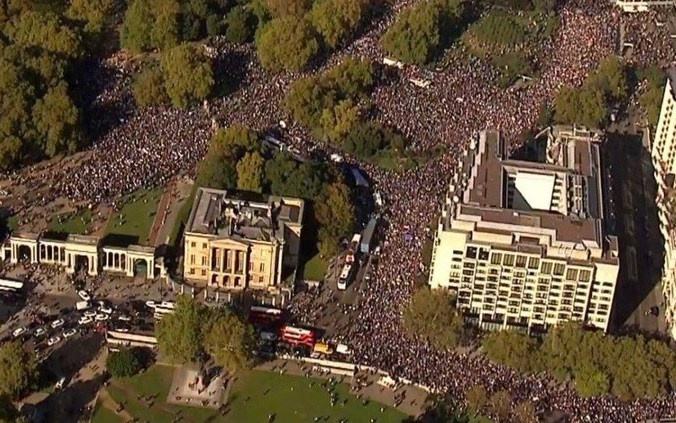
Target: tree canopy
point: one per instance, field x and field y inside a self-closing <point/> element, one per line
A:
<point x="590" y="104"/>
<point x="286" y="43"/>
<point x="431" y="315"/>
<point x="229" y="340"/>
<point x="179" y="334"/>
<point x="18" y="369"/>
<point x="589" y="359"/>
<point x="123" y="363"/>
<point x="335" y="213"/>
<point x="651" y="98"/>
<point x="188" y="77"/>
<point x="336" y="20"/>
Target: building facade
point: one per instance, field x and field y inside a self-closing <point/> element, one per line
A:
<point x="81" y="253"/>
<point x="524" y="244"/>
<point x="236" y="243"/>
<point x="663" y="153"/>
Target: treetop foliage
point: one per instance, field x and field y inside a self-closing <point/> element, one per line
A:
<point x="286" y="43"/>
<point x="431" y="315"/>
<point x="590" y="104"/>
<point x="123" y="363"/>
<point x="18" y="369"/>
<point x="590" y="360"/>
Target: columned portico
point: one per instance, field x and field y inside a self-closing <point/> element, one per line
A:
<point x="82" y="252"/>
<point x="24" y="246"/>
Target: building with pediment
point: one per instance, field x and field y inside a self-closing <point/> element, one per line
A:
<point x="237" y="241"/>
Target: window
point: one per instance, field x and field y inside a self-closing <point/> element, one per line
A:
<point x="204" y="272"/>
<point x="204" y="245"/>
<point x="533" y="263"/>
<point x="547" y="267"/>
<point x="509" y="260"/>
<point x="471" y="252"/>
<point x="571" y="274"/>
<point x="191" y="271"/>
<point x="496" y="258"/>
<point x="192" y="259"/>
<point x="192" y="244"/>
<point x="204" y="261"/>
<point x="249" y="266"/>
<point x="585" y="275"/>
<point x="521" y="261"/>
<point x="559" y="268"/>
<point x="483" y="254"/>
<point x="261" y="279"/>
<point x="262" y="268"/>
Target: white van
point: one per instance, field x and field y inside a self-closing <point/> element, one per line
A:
<point x="83" y="305"/>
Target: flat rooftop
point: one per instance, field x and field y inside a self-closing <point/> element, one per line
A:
<point x="244" y="216"/>
<point x="563" y="192"/>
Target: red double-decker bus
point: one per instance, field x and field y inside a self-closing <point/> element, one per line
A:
<point x="265" y="316"/>
<point x="297" y="336"/>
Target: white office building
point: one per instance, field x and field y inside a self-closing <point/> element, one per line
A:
<point x="525" y="244"/>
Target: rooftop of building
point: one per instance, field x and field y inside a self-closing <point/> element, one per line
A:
<point x="243" y="215"/>
<point x="563" y="192"/>
<point x="671" y="75"/>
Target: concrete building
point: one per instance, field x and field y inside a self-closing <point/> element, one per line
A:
<point x="663" y="153"/>
<point x="525" y="244"/>
<point x="233" y="242"/>
<point x="631" y="6"/>
<point x="81" y="252"/>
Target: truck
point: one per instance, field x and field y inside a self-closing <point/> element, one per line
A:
<point x="367" y="236"/>
<point x="353" y="250"/>
<point x="83" y="305"/>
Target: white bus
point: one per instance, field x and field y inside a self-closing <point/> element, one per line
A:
<point x="117" y="340"/>
<point x="165" y="307"/>
<point x="345" y="277"/>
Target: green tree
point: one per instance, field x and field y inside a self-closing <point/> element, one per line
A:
<point x="164" y="33"/>
<point x="250" y="172"/>
<point x="216" y="171"/>
<point x="43" y="31"/>
<point x="240" y="25"/>
<point x="525" y="412"/>
<point x="501" y="406"/>
<point x="15" y="112"/>
<point x="93" y="14"/>
<point x="179" y="335"/>
<point x="335" y="214"/>
<point x="8" y="412"/>
<point x="286" y="44"/>
<point x="513" y="349"/>
<point x="229" y="340"/>
<point x="188" y="77"/>
<point x="56" y="120"/>
<point x="339" y="121"/>
<point x="414" y="36"/>
<point x="582" y="106"/>
<point x="137" y="26"/>
<point x="590" y="380"/>
<point x="611" y="79"/>
<point x="148" y="87"/>
<point x="235" y="141"/>
<point x="476" y="398"/>
<point x="288" y="8"/>
<point x="651" y="99"/>
<point x="123" y="363"/>
<point x="431" y="314"/>
<point x="335" y="20"/>
<point x="284" y="175"/>
<point x="18" y="369"/>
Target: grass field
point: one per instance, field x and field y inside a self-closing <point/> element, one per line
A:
<point x="72" y="223"/>
<point x="136" y="217"/>
<point x="315" y="269"/>
<point x="290" y="398"/>
<point x="103" y="415"/>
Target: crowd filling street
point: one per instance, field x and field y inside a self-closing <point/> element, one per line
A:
<point x="147" y="148"/>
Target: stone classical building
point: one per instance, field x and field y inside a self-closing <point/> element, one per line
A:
<point x="80" y="252"/>
<point x="525" y="244"/>
<point x="233" y="242"/>
<point x="663" y="153"/>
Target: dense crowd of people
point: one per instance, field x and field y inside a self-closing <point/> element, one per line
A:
<point x="148" y="147"/>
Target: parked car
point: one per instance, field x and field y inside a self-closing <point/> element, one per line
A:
<point x="60" y="383"/>
<point x="90" y="313"/>
<point x="106" y="309"/>
<point x="68" y="333"/>
<point x="101" y="317"/>
<point x="83" y="305"/>
<point x="53" y="340"/>
<point x="84" y="295"/>
<point x="124" y="318"/>
<point x="85" y="320"/>
<point x="56" y="323"/>
<point x="18" y="332"/>
<point x="40" y="332"/>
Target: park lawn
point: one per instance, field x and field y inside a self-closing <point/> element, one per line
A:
<point x="291" y="398"/>
<point x="136" y="217"/>
<point x="77" y="223"/>
<point x="103" y="415"/>
<point x="13" y="222"/>
<point x="315" y="268"/>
